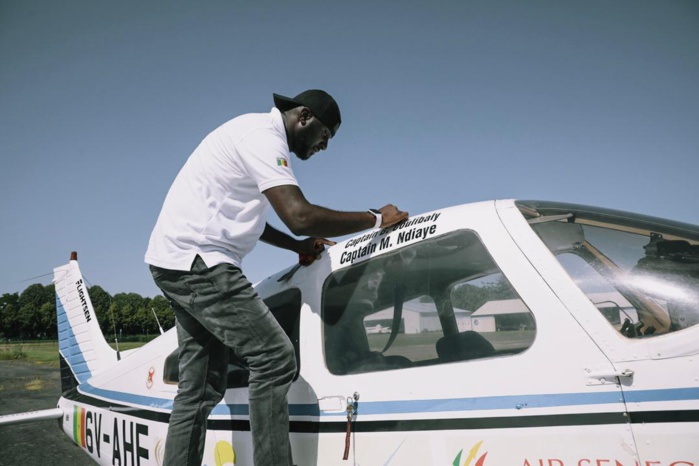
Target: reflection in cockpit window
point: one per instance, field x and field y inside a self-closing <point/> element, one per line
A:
<point x="644" y="284"/>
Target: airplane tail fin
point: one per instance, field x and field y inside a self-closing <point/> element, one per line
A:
<point x="83" y="349"/>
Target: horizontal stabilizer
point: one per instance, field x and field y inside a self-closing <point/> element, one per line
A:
<point x="31" y="416"/>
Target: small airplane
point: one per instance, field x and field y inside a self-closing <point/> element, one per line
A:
<point x="499" y="333"/>
<point x="378" y="328"/>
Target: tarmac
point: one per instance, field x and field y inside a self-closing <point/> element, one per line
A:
<point x="31" y="387"/>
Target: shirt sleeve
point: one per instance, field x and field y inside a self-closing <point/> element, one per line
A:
<point x="266" y="158"/>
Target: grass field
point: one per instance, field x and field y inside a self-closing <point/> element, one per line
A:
<point x="422" y="346"/>
<point x="416" y="347"/>
<point x="43" y="352"/>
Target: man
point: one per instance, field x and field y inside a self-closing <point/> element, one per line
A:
<point x="212" y="217"/>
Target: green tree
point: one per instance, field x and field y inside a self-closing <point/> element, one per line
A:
<point x="117" y="325"/>
<point x="32" y="314"/>
<point x="9" y="298"/>
<point x="9" y="307"/>
<point x="47" y="321"/>
<point x="36" y="295"/>
<point x="29" y="321"/>
<point x="164" y="312"/>
<point x="470" y="297"/>
<point x="101" y="301"/>
<point x="127" y="305"/>
<point x="128" y="319"/>
<point x="30" y="303"/>
<point x="143" y="322"/>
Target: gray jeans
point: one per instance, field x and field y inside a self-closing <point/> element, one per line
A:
<point x="218" y="311"/>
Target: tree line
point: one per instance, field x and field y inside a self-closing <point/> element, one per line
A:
<point x="32" y="313"/>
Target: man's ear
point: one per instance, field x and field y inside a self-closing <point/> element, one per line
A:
<point x="305" y="116"/>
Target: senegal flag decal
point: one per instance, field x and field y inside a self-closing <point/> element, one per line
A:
<point x="79" y="425"/>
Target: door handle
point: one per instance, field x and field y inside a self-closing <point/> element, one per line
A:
<point x="333" y="404"/>
<point x="604" y="376"/>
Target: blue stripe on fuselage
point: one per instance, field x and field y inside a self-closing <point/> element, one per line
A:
<point x="551" y="400"/>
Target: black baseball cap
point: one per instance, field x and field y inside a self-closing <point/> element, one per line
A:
<point x="319" y="102"/>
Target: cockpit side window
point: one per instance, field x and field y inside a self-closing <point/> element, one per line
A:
<point x="643" y="283"/>
<point x="439" y="301"/>
<point x="286" y="308"/>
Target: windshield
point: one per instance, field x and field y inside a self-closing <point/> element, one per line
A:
<point x="642" y="277"/>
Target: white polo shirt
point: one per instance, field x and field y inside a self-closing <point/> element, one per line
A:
<point x="215" y="207"/>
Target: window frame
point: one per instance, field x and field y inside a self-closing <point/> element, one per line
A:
<point x="441" y="297"/>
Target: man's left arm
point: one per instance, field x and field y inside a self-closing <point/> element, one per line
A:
<point x="308" y="246"/>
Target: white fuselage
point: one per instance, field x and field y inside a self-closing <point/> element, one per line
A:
<point x="578" y="394"/>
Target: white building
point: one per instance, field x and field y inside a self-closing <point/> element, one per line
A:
<point x="417" y="317"/>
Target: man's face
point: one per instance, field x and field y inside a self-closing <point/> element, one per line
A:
<point x="311" y="137"/>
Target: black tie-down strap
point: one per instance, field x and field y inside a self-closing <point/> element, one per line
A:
<point x="397" y="315"/>
<point x="352" y="405"/>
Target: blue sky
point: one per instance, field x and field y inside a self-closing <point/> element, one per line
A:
<point x="443" y="103"/>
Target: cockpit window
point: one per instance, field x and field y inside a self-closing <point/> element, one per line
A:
<point x="645" y="283"/>
<point x="438" y="301"/>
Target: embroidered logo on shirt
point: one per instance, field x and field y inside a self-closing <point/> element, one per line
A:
<point x="281" y="162"/>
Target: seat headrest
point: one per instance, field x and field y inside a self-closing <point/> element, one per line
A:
<point x="464" y="346"/>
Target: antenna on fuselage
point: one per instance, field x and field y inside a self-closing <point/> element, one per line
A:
<point x="158" y="322"/>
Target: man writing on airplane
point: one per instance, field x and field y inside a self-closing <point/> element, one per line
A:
<point x="214" y="213"/>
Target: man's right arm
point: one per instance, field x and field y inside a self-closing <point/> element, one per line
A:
<point x="306" y="219"/>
